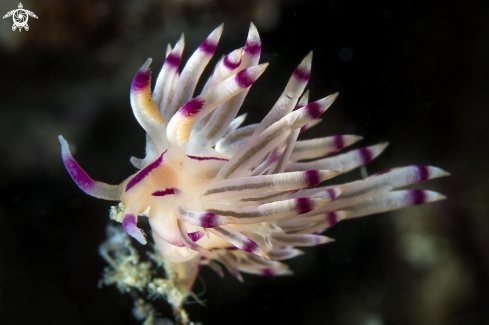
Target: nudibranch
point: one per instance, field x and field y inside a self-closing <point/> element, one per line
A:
<point x="241" y="196"/>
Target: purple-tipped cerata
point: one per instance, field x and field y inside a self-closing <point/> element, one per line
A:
<point x="312" y="177"/>
<point x="339" y="143"/>
<point x="424" y="174"/>
<point x="302" y="74"/>
<point x="192" y="107"/>
<point x="245" y="78"/>
<point x="208" y="46"/>
<point x="141" y="80"/>
<point x="314" y="110"/>
<point x="304" y="205"/>
<point x="331" y="218"/>
<point x="209" y="220"/>
<point x="231" y="65"/>
<point x="221" y="193"/>
<point x="173" y="59"/>
<point x="253" y="47"/>
<point x="365" y="155"/>
<point x="332" y="193"/>
<point x="196" y="235"/>
<point x="417" y="197"/>
<point x="249" y="246"/>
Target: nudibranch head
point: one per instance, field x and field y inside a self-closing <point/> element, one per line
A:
<point x="242" y="196"/>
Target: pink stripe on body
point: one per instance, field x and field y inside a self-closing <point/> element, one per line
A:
<point x="144" y="172"/>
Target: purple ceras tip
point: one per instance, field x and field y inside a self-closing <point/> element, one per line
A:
<point x="314" y="109"/>
<point x="230" y="64"/>
<point x="253" y="47"/>
<point x="141" y="80"/>
<point x="332" y="193"/>
<point x="173" y="60"/>
<point x="312" y="177"/>
<point x="249" y="246"/>
<point x="245" y="78"/>
<point x="304" y="205"/>
<point x="302" y="74"/>
<point x="331" y="218"/>
<point x="267" y="272"/>
<point x="209" y="220"/>
<point x="338" y="142"/>
<point x="208" y="46"/>
<point x="423" y="173"/>
<point x="365" y="155"/>
<point x="192" y="107"/>
<point x="194" y="236"/>
<point x="417" y="196"/>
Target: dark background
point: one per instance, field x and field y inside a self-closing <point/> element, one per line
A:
<point x="414" y="73"/>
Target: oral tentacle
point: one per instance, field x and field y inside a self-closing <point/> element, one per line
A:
<point x="85" y="183"/>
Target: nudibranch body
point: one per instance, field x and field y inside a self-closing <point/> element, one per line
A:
<point x="241" y="196"/>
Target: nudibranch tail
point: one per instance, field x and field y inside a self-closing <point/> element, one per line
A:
<point x="252" y="48"/>
<point x="243" y="196"/>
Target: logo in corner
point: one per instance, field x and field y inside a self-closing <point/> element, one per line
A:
<point x="20" y="17"/>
